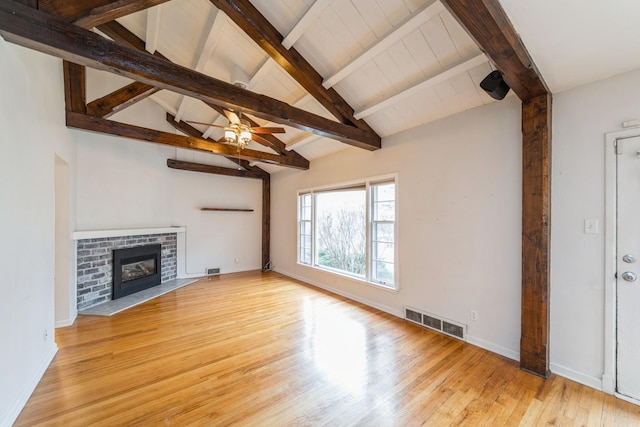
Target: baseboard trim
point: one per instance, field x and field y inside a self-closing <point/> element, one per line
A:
<point x="494" y="348"/>
<point x="381" y="307"/>
<point x="10" y="417"/>
<point x="576" y="376"/>
<point x="67" y="322"/>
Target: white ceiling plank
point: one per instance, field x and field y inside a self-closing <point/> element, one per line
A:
<point x="210" y="36"/>
<point x="299" y="142"/>
<point x="153" y="28"/>
<point x="411" y="24"/>
<point x="430" y="82"/>
<point x="305" y="22"/>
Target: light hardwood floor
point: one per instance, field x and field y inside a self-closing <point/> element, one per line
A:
<point x="262" y="349"/>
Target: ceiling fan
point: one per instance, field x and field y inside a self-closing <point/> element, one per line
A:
<point x="239" y="131"/>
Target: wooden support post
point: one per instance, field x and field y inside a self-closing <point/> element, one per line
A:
<point x="266" y="222"/>
<point x="75" y="87"/>
<point x="536" y="207"/>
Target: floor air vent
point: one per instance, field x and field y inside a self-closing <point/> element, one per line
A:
<point x="448" y="327"/>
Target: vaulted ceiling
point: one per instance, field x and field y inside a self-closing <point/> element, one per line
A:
<point x="333" y="73"/>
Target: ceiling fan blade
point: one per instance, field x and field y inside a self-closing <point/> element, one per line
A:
<point x="233" y="117"/>
<point x="262" y="129"/>
<point x="205" y="124"/>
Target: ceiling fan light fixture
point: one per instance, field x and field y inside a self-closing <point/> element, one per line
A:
<point x="230" y="136"/>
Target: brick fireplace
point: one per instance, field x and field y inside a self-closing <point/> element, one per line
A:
<point x="95" y="260"/>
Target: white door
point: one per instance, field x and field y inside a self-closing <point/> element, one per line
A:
<point x="628" y="267"/>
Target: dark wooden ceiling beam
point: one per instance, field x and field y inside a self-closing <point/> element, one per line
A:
<point x="189" y="130"/>
<point x="39" y="31"/>
<point x="75" y="87"/>
<point x="123" y="36"/>
<point x="120" y="99"/>
<point x="488" y="24"/>
<point x="90" y="13"/>
<point x="256" y="26"/>
<point x="216" y="170"/>
<point x="110" y="127"/>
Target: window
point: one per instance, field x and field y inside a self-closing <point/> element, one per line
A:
<point x="350" y="230"/>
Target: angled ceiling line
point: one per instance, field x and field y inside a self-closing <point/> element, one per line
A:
<point x="412" y="23"/>
<point x="263" y="33"/>
<point x="208" y="41"/>
<point x="112" y="11"/>
<point x="45" y="33"/>
<point x="119" y="33"/>
<point x="443" y="75"/>
<point x="305" y="22"/>
<point x="154" y="15"/>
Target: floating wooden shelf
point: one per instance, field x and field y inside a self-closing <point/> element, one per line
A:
<point x="226" y="209"/>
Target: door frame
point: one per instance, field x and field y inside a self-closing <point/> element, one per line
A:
<point x="610" y="292"/>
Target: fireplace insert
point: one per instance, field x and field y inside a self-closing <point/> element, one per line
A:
<point x="136" y="269"/>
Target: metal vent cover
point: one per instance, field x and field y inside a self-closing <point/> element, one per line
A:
<point x="412" y="315"/>
<point x="437" y="323"/>
<point x="432" y="322"/>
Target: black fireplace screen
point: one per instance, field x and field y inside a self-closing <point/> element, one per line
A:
<point x="136" y="269"/>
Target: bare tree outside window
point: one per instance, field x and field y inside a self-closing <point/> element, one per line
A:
<point x="341" y="231"/>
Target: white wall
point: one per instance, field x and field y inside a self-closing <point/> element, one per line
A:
<point x="124" y="183"/>
<point x="459" y="183"/>
<point x="581" y="118"/>
<point x="32" y="132"/>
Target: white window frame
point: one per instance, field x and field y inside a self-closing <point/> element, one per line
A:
<point x="368" y="183"/>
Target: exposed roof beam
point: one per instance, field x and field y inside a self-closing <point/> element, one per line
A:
<point x="153" y="28"/>
<point x="488" y="24"/>
<point x="208" y="41"/>
<point x="75" y="87"/>
<point x="245" y="153"/>
<point x="40" y="31"/>
<point x="218" y="170"/>
<point x="121" y="34"/>
<point x="252" y="22"/>
<point x="440" y="77"/>
<point x="90" y="13"/>
<point x="412" y="23"/>
<point x="120" y="99"/>
<point x="305" y="22"/>
<point x="110" y="127"/>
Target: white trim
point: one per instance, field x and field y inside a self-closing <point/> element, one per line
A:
<point x="608" y="382"/>
<point x="305" y="22"/>
<point x="30" y="385"/>
<point x="627" y="398"/>
<point x="154" y="15"/>
<point x="412" y="23"/>
<point x="576" y="376"/>
<point x="442" y="76"/>
<point x="494" y="348"/>
<point x="96" y="234"/>
<point x="68" y="322"/>
<point x="381" y="307"/>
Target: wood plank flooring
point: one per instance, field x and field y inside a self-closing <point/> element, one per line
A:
<point x="261" y="349"/>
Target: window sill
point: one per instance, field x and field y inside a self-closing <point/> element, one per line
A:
<point x="375" y="285"/>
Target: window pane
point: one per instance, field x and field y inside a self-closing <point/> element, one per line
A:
<point x="341" y="230"/>
<point x="383" y="272"/>
<point x="383" y="232"/>
<point x="305" y="228"/>
<point x="384" y="192"/>
<point x="384" y="211"/>
<point x="383" y="252"/>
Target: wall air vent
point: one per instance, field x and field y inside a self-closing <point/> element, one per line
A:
<point x="412" y="315"/>
<point x="212" y="271"/>
<point x="437" y="323"/>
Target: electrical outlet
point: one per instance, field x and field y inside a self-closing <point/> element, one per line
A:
<point x="237" y="260"/>
<point x="474" y="315"/>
